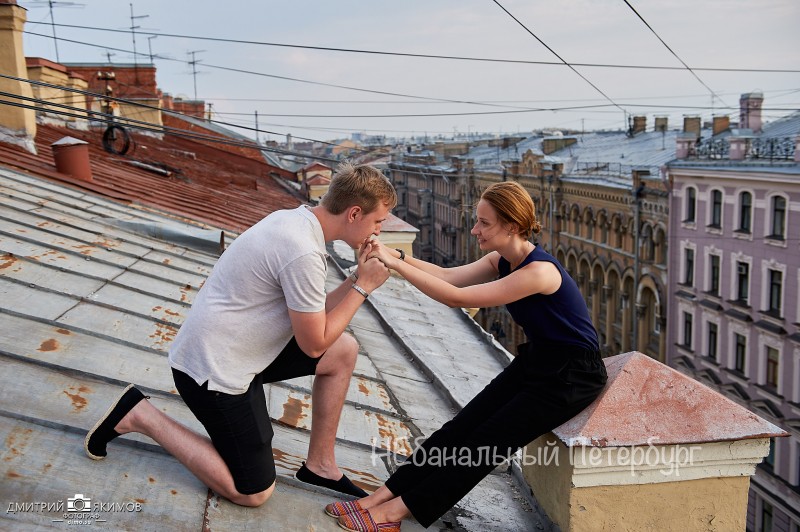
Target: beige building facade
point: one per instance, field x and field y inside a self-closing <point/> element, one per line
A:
<point x="592" y="219"/>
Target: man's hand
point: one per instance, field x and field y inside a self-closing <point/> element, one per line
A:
<point x="371" y="272"/>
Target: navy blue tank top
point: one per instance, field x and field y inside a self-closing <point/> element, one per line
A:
<point x="561" y="317"/>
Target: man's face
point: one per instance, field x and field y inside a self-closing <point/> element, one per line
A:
<point x="366" y="225"/>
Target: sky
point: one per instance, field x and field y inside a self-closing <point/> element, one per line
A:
<point x="319" y="94"/>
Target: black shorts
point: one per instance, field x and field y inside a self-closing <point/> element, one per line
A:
<point x="239" y="425"/>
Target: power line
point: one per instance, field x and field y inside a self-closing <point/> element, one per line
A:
<point x="425" y="56"/>
<point x="552" y="109"/>
<point x="584" y="78"/>
<point x="294" y="100"/>
<point x="515" y="109"/>
<point x="148" y="126"/>
<point x="144" y="125"/>
<point x="713" y="94"/>
<point x="299" y="80"/>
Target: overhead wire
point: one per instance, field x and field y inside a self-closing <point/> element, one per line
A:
<point x="560" y="109"/>
<point x="595" y="87"/>
<point x="142" y="105"/>
<point x="297" y="80"/>
<point x="713" y="94"/>
<point x="415" y="55"/>
<point x="77" y="112"/>
<point x="429" y="99"/>
<point x="153" y="128"/>
<point x="425" y="99"/>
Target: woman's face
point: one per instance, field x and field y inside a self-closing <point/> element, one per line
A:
<point x="488" y="228"/>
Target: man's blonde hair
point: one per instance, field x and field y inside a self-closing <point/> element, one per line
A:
<point x="358" y="185"/>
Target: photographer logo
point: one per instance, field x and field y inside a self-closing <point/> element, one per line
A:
<point x="79" y="510"/>
<point x="79" y="503"/>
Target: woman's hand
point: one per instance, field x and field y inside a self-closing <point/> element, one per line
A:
<point x="371" y="272"/>
<point x="384" y="254"/>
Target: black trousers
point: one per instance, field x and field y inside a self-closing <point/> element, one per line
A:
<point x="543" y="387"/>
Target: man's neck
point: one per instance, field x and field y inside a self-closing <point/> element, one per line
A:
<point x="327" y="221"/>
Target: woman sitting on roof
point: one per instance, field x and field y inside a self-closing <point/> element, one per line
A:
<point x="555" y="375"/>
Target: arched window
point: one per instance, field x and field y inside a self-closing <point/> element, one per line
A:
<point x="648" y="243"/>
<point x="616" y="226"/>
<point x="576" y="221"/>
<point x="716" y="209"/>
<point x="778" y="218"/>
<point x="661" y="245"/>
<point x="745" y="212"/>
<point x="691" y="205"/>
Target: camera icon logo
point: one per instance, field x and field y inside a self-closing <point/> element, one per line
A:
<point x="79" y="503"/>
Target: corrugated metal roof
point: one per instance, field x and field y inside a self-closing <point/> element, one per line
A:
<point x="788" y="126"/>
<point x="87" y="306"/>
<point x="487" y="156"/>
<point x="650" y="149"/>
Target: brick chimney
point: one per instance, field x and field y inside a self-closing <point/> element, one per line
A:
<point x="555" y="143"/>
<point x="653" y="435"/>
<point x="662" y="123"/>
<point x="691" y="124"/>
<point x="720" y="123"/>
<point x="639" y="124"/>
<point x="750" y="111"/>
<point x="18" y="123"/>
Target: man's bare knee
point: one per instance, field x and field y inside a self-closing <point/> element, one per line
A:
<point x="349" y="344"/>
<point x="256" y="499"/>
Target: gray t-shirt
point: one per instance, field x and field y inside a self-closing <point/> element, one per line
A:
<point x="239" y="321"/>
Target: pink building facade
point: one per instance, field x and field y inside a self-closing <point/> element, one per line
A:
<point x="734" y="287"/>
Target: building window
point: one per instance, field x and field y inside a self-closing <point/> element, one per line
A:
<point x="687" y="330"/>
<point x="745" y="212"/>
<point x="772" y="367"/>
<point x="797" y="450"/>
<point x="716" y="209"/>
<point x="766" y="517"/>
<point x="742" y="282"/>
<point x="691" y="204"/>
<point x="713" y="287"/>
<point x="741" y="353"/>
<point x="778" y="225"/>
<point x="712" y="340"/>
<point x="775" y="288"/>
<point x="688" y="278"/>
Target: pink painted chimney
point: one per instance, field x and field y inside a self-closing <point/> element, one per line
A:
<point x="750" y="111"/>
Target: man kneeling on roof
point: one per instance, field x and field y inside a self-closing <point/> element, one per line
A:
<point x="263" y="316"/>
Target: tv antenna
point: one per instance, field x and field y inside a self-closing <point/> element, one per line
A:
<point x="133" y="28"/>
<point x="194" y="62"/>
<point x="50" y="4"/>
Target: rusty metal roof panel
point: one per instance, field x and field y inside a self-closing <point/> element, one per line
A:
<point x="31" y="272"/>
<point x="134" y="302"/>
<point x="121" y="325"/>
<point x="35" y="303"/>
